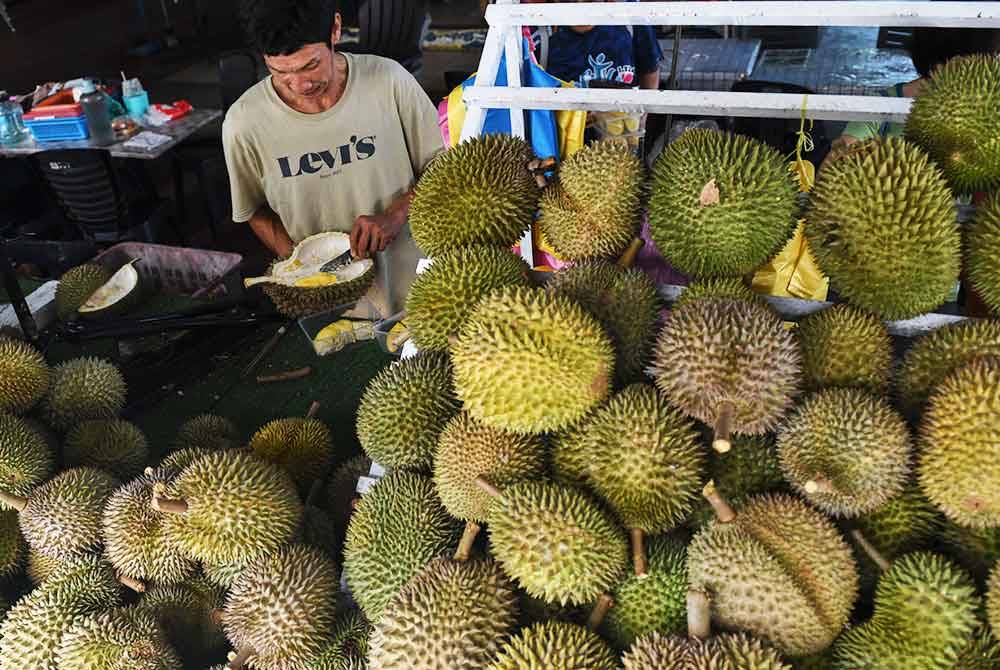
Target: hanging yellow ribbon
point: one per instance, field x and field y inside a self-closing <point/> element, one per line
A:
<point x="803" y="168"/>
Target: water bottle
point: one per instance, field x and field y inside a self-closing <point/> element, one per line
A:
<point x="12" y="128"/>
<point x="95" y="108"/>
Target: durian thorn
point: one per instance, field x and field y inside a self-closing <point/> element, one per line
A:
<point x="149" y="472"/>
<point x="877" y="558"/>
<point x="13" y="501"/>
<point x="818" y="484"/>
<point x="239" y="658"/>
<point x="601" y="609"/>
<point x="724" y="428"/>
<point x="313" y="409"/>
<point x="722" y="509"/>
<point x="639" y="561"/>
<point x="699" y="615"/>
<point x="167" y="505"/>
<point x="627" y="259"/>
<point x="464" y="550"/>
<point x="490" y="490"/>
<point x="130" y="582"/>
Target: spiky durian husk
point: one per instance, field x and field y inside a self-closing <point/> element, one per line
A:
<point x="528" y="361"/>
<point x="76" y="286"/>
<point x="239" y="508"/>
<point x="63" y="515"/>
<point x="283" y="607"/>
<point x="993" y="599"/>
<point x="207" y="431"/>
<point x="135" y="540"/>
<point x="715" y="351"/>
<point x="624" y="301"/>
<point x="643" y="458"/>
<point x="981" y="653"/>
<point x="303" y="447"/>
<point x="173" y="464"/>
<point x="404" y="409"/>
<point x="729" y="651"/>
<point x="780" y="570"/>
<point x="341" y="489"/>
<point x="567" y="465"/>
<point x="479" y="192"/>
<point x="656" y="601"/>
<point x="113" y="445"/>
<point x="185" y="613"/>
<point x="41" y="567"/>
<point x="26" y="459"/>
<point x="954" y="119"/>
<point x="976" y="549"/>
<point x="982" y="248"/>
<point x="555" y="646"/>
<point x="960" y="439"/>
<point x="12" y="546"/>
<point x="450" y="616"/>
<point x="593" y="209"/>
<point x="751" y="467"/>
<point x="348" y="650"/>
<point x="24" y="376"/>
<point x="121" y="639"/>
<point x="297" y="302"/>
<point x="83" y="389"/>
<point x="925" y="614"/>
<point x="883" y="227"/>
<point x="845" y="346"/>
<point x="730" y="288"/>
<point x="467" y="449"/>
<point x="443" y="296"/>
<point x="750" y="220"/>
<point x="399" y="526"/>
<point x="222" y="574"/>
<point x="556" y="542"/>
<point x="849" y="443"/>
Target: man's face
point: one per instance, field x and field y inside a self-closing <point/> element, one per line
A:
<point x="308" y="73"/>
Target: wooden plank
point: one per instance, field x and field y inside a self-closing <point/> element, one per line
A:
<point x="696" y="103"/>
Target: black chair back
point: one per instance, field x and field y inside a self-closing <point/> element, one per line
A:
<point x="392" y="28"/>
<point x="238" y="71"/>
<point x="84" y="184"/>
<point x="782" y="134"/>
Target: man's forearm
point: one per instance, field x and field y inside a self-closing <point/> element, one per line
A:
<point x="650" y="81"/>
<point x="399" y="208"/>
<point x="267" y="226"/>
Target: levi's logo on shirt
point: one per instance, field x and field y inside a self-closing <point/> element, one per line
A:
<point x="359" y="149"/>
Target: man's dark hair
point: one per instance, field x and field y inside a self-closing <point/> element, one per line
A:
<point x="282" y="27"/>
<point x="930" y="47"/>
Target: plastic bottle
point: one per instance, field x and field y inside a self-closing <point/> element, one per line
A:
<point x="95" y="108"/>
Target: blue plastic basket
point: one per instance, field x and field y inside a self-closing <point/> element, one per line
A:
<point x="58" y="129"/>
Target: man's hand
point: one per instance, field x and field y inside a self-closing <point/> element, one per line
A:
<point x="372" y="234"/>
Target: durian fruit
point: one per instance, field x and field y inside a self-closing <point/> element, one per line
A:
<point x="533" y="610"/>
<point x="175" y="462"/>
<point x="222" y="574"/>
<point x="845" y="346"/>
<point x="12" y="546"/>
<point x="593" y="209"/>
<point x="443" y="296"/>
<point x="26" y="459"/>
<point x="281" y="609"/>
<point x="467" y="449"/>
<point x="318" y="530"/>
<point x="341" y="490"/>
<point x="24" y="376"/>
<point x="83" y="389"/>
<point x="729" y="651"/>
<point x="228" y="507"/>
<point x="41" y="567"/>
<point x="883" y="227"/>
<point x="846" y="451"/>
<point x="479" y="192"/>
<point x="925" y="613"/>
<point x="303" y="447"/>
<point x="751" y="467"/>
<point x="729" y="288"/>
<point x="777" y="569"/>
<point x="960" y="443"/>
<point x="62" y="517"/>
<point x="982" y="247"/>
<point x="121" y="639"/>
<point x="187" y="614"/>
<point x="993" y="599"/>
<point x="625" y="302"/>
<point x="975" y="549"/>
<point x="567" y="465"/>
<point x="954" y="119"/>
<point x="404" y="409"/>
<point x="450" y="616"/>
<point x="555" y="645"/>
<point x="207" y="431"/>
<point x="722" y="204"/>
<point x="398" y="527"/>
<point x="556" y="542"/>
<point x="348" y="648"/>
<point x="655" y="602"/>
<point x="76" y="286"/>
<point x="730" y="364"/>
<point x="529" y="361"/>
<point x="645" y="460"/>
<point x="981" y="653"/>
<point x="938" y="353"/>
<point x="135" y="539"/>
<point x="113" y="445"/>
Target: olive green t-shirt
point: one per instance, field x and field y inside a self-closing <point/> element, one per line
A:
<point x="320" y="172"/>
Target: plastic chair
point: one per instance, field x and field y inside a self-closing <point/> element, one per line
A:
<point x="393" y="29"/>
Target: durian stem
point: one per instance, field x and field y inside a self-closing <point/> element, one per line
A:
<point x="169" y="505"/>
<point x="699" y="614"/>
<point x="313" y="410"/>
<point x="639" y="561"/>
<point x="490" y="490"/>
<point x="238" y="659"/>
<point x="627" y="259"/>
<point x="877" y="558"/>
<point x="131" y="583"/>
<point x="464" y="550"/>
<point x="601" y="609"/>
<point x="288" y="376"/>
<point x="818" y="484"/>
<point x="724" y="428"/>
<point x="13" y="501"/>
<point x="722" y="509"/>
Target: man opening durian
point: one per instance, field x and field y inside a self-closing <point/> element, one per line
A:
<point x="329" y="141"/>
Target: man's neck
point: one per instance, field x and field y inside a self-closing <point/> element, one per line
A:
<point x="323" y="102"/>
